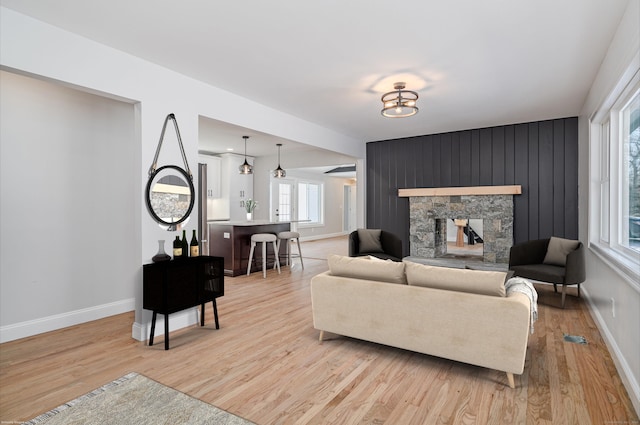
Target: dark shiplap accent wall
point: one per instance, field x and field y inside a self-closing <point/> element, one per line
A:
<point x="540" y="156"/>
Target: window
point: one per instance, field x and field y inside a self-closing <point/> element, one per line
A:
<point x="630" y="139"/>
<point x="614" y="213"/>
<point x="604" y="182"/>
<point x="310" y="202"/>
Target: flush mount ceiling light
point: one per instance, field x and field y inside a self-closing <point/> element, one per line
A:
<point x="279" y="172"/>
<point x="399" y="103"/>
<point x="245" y="168"/>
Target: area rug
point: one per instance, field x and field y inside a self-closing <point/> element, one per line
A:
<point x="136" y="399"/>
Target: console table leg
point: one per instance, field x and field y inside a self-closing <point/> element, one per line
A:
<point x="153" y="328"/>
<point x="215" y="313"/>
<point x="166" y="331"/>
<point x="202" y="314"/>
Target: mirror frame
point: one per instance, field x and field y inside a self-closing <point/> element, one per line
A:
<point x="183" y="173"/>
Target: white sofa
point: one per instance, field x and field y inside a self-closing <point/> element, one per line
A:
<point x="462" y="315"/>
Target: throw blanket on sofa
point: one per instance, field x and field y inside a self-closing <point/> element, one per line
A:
<point x="519" y="284"/>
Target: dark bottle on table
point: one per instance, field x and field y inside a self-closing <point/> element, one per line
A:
<point x="194" y="248"/>
<point x="177" y="248"/>
<point x="185" y="245"/>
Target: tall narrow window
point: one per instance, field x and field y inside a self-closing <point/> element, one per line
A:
<point x="310" y="199"/>
<point x="614" y="195"/>
<point x="630" y="190"/>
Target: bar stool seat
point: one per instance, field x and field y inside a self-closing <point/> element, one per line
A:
<point x="288" y="236"/>
<point x="265" y="238"/>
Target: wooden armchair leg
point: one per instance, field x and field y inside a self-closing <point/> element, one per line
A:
<point x="321" y="336"/>
<point x="564" y="293"/>
<point x="512" y="383"/>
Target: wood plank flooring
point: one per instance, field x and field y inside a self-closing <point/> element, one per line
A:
<point x="266" y="365"/>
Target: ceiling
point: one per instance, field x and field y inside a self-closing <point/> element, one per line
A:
<point x="474" y="63"/>
<point x="219" y="137"/>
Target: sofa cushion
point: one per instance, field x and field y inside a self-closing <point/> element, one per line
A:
<point x="369" y="240"/>
<point x="558" y="250"/>
<point x="543" y="272"/>
<point x="364" y="268"/>
<point x="463" y="280"/>
<point x="509" y="273"/>
<point x="382" y="256"/>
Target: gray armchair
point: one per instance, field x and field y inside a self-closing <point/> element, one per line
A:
<point x="391" y="246"/>
<point x="527" y="260"/>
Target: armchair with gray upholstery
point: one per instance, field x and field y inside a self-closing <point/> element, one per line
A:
<point x="389" y="247"/>
<point x="553" y="260"/>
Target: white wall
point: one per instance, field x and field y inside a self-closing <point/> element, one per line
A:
<point x="603" y="280"/>
<point x="46" y="52"/>
<point x="69" y="167"/>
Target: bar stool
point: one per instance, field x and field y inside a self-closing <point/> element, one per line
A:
<point x="288" y="236"/>
<point x="461" y="223"/>
<point x="265" y="238"/>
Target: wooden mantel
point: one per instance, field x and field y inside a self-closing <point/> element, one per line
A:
<point x="456" y="191"/>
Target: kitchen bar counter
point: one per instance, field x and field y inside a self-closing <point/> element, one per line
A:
<point x="245" y="223"/>
<point x="232" y="241"/>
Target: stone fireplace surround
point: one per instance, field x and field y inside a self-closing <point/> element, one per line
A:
<point x="430" y="208"/>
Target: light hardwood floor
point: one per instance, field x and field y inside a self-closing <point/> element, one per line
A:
<point x="266" y="365"/>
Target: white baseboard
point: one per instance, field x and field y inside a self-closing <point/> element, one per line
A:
<point x="59" y="321"/>
<point x="179" y="320"/>
<point x="626" y="374"/>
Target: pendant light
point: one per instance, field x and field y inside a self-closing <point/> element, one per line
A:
<point x="399" y="103"/>
<point x="279" y="172"/>
<point x="245" y="168"/>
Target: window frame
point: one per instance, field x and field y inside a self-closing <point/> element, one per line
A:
<point x="606" y="174"/>
<point x="321" y="196"/>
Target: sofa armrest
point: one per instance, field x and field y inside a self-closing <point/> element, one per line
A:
<point x="575" y="267"/>
<point x="354" y="244"/>
<point x="391" y="244"/>
<point x="530" y="252"/>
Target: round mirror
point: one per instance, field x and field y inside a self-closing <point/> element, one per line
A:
<point x="170" y="196"/>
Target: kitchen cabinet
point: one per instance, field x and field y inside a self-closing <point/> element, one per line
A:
<point x="213" y="174"/>
<point x="232" y="241"/>
<point x="236" y="188"/>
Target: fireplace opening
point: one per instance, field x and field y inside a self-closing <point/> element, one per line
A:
<point x="460" y="238"/>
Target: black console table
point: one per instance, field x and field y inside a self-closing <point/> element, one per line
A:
<point x="175" y="285"/>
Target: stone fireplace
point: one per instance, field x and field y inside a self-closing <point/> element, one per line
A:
<point x="429" y="210"/>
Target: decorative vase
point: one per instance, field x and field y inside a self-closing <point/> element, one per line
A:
<point x="161" y="255"/>
<point x="249" y="216"/>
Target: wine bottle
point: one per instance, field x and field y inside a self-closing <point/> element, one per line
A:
<point x="177" y="248"/>
<point x="185" y="245"/>
<point x="194" y="248"/>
